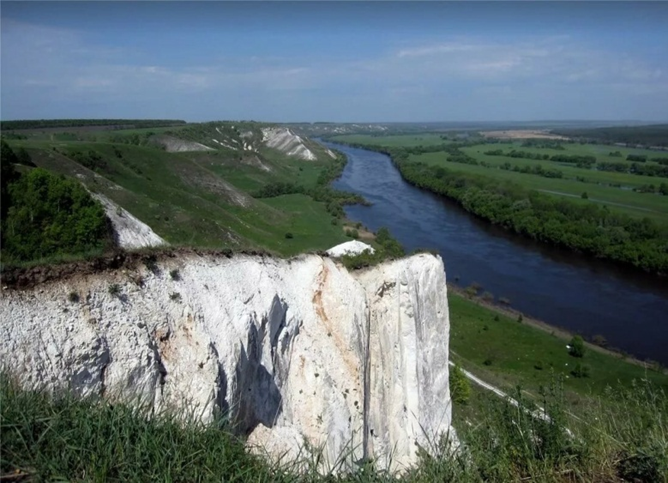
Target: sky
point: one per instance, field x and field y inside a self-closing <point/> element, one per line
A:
<point x="335" y="61"/>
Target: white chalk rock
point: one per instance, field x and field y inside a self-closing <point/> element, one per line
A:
<point x="352" y="247"/>
<point x="292" y="350"/>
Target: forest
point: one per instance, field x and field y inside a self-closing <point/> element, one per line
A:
<point x="652" y="135"/>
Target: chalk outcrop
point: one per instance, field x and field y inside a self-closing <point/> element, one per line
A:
<point x="294" y="350"/>
<point x="352" y="247"/>
<point x="129" y="231"/>
<point x="284" y="140"/>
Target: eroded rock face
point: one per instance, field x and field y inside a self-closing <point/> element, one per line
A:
<point x="294" y="351"/>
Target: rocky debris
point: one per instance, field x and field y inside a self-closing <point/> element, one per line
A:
<point x="292" y="350"/>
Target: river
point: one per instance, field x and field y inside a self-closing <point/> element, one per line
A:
<point x="562" y="288"/>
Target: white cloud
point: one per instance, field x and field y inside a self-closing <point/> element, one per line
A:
<point x="53" y="67"/>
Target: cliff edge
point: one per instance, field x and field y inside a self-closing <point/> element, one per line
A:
<point x="293" y="351"/>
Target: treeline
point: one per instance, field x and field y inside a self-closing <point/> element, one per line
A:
<point x="126" y="123"/>
<point x="543" y="144"/>
<point x="45" y="215"/>
<point x="587" y="228"/>
<point x="580" y="161"/>
<point x="537" y="170"/>
<point x="634" y="168"/>
<point x="652" y="135"/>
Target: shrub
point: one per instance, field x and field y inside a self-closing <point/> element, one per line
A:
<point x="73" y="297"/>
<point x="488" y="361"/>
<point x="114" y="289"/>
<point x="175" y="296"/>
<point x="151" y="263"/>
<point x="174" y="274"/>
<point x="460" y="387"/>
<point x="577" y="347"/>
<point x="580" y="371"/>
<point x="289" y="235"/>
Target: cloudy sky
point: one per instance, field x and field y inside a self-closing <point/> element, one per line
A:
<point x="343" y="61"/>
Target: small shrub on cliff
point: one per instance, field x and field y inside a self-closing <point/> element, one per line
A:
<point x="114" y="289"/>
<point x="460" y="388"/>
<point x="73" y="297"/>
<point x="174" y="274"/>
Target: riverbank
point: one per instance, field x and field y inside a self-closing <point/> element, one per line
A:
<point x="508" y="351"/>
<point x="559" y="332"/>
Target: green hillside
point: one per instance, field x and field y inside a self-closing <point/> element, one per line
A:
<point x="194" y="184"/>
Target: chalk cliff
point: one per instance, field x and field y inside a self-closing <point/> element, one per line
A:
<point x="293" y="351"/>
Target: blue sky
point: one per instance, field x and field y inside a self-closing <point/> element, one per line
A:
<point x="338" y="61"/>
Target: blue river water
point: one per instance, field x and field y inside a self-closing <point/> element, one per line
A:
<point x="562" y="288"/>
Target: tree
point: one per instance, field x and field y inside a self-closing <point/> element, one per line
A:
<point x="51" y="215"/>
<point x="577" y="347"/>
<point x="460" y="388"/>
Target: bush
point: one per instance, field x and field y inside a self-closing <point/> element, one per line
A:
<point x="47" y="215"/>
<point x="73" y="297"/>
<point x="460" y="387"/>
<point x="577" y="347"/>
<point x="352" y="233"/>
<point x="580" y="371"/>
<point x="175" y="296"/>
<point x="289" y="235"/>
<point x="174" y="274"/>
<point x="114" y="289"/>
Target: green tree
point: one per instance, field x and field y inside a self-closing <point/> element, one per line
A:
<point x="51" y="215"/>
<point x="577" y="347"/>
<point x="8" y="175"/>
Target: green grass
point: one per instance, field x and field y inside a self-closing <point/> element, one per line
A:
<point x="639" y="205"/>
<point x="64" y="438"/>
<point x="422" y="139"/>
<point x="516" y="349"/>
<point x="193" y="198"/>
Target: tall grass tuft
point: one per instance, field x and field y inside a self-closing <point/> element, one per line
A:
<point x="622" y="436"/>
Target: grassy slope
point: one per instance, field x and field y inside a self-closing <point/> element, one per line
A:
<point x="185" y="197"/>
<point x="515" y="349"/>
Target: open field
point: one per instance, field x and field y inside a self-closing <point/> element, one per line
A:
<point x="521" y="134"/>
<point x="624" y="200"/>
<point x="505" y="352"/>
<point x="421" y="139"/>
